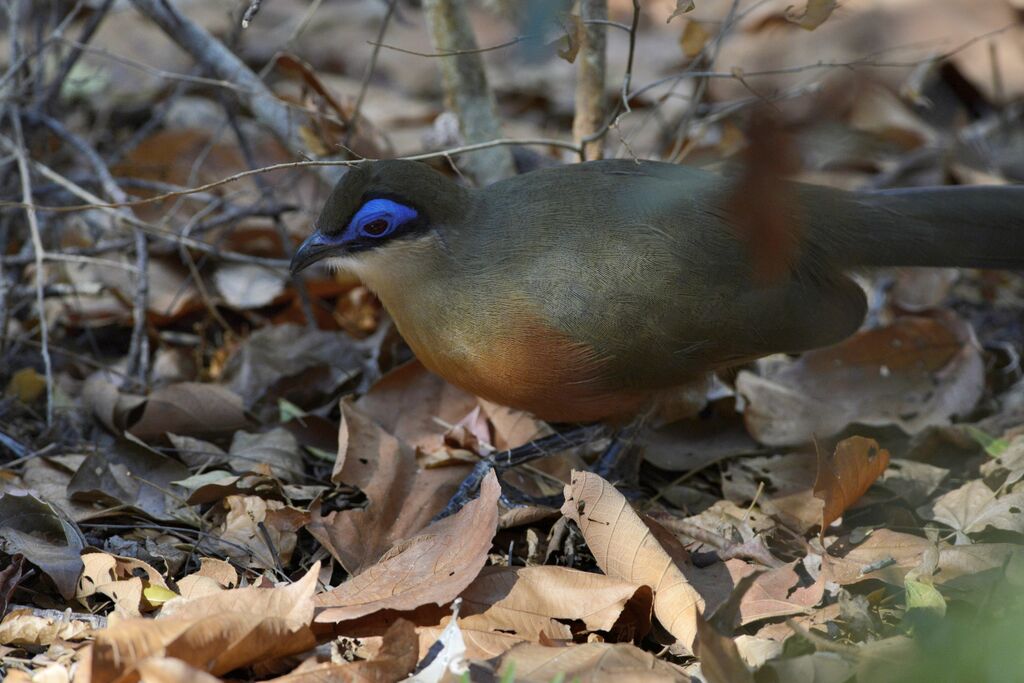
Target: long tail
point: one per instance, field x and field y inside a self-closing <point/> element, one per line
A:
<point x="971" y="227"/>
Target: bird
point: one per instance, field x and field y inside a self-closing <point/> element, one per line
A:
<point x="593" y="291"/>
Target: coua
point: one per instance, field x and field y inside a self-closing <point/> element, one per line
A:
<point x="588" y="291"/>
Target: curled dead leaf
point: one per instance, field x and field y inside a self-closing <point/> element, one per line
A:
<point x="625" y="548"/>
<point x="846" y="475"/>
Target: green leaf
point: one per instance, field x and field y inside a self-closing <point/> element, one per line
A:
<point x="924" y="596"/>
<point x="993" y="446"/>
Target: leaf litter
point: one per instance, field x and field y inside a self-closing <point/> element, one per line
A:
<point x="262" y="505"/>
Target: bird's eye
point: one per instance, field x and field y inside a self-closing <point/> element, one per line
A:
<point x="376" y="228"/>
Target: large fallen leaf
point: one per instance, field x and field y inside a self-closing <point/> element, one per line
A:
<point x="256" y="532"/>
<point x="410" y="401"/>
<point x="394" y="661"/>
<point x="216" y="634"/>
<point x="23" y="627"/>
<point x="432" y="567"/>
<point x="526" y="602"/>
<point x="774" y="593"/>
<point x="914" y="373"/>
<point x="884" y="555"/>
<point x="276" y="451"/>
<point x="592" y="662"/>
<point x="127" y="474"/>
<point x="625" y="548"/>
<point x="401" y="499"/>
<point x="845" y="476"/>
<point x="46" y="537"/>
<point x="122" y="579"/>
<point x="293" y="361"/>
<point x="186" y="408"/>
<point x="720" y="660"/>
<point x="974" y="507"/>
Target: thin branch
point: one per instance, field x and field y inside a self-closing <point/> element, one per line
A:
<point x="313" y="163"/>
<point x="52" y="93"/>
<point x="371" y="67"/>
<point x="456" y="53"/>
<point x="18" y="149"/>
<point x="138" y="350"/>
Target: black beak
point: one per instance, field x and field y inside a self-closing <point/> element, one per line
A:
<point x="315" y="248"/>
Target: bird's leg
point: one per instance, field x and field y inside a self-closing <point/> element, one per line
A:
<point x="504" y="460"/>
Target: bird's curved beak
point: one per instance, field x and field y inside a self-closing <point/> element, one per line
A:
<point x="315" y="248"/>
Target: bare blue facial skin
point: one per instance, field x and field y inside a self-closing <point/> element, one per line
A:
<point x="378" y="218"/>
<point x="377" y="221"/>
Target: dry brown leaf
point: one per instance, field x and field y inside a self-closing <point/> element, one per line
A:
<point x="693" y="38"/>
<point x="845" y="476"/>
<point x="974" y="507"/>
<point x="43" y="535"/>
<point x="788" y="487"/>
<point x="774" y="593"/>
<point x="528" y="601"/>
<point x="814" y="15"/>
<point x="120" y="579"/>
<point x="23" y="627"/>
<point x="625" y="548"/>
<point x="172" y="670"/>
<point x="187" y="408"/>
<point x="720" y="660"/>
<point x="682" y="7"/>
<point x="401" y="500"/>
<point x="26" y="385"/>
<point x="409" y="401"/>
<point x="215" y="634"/>
<point x="885" y="555"/>
<point x="241" y="535"/>
<point x="914" y="373"/>
<point x="591" y="662"/>
<point x="431" y="567"/>
<point x="395" y="660"/>
<point x="480" y="641"/>
<point x="575" y="34"/>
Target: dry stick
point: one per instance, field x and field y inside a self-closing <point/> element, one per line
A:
<point x="52" y="93"/>
<point x="622" y="106"/>
<point x="96" y="203"/>
<point x="371" y="67"/>
<point x="138" y="349"/>
<point x="298" y="282"/>
<point x="266" y="107"/>
<point x="590" y="79"/>
<point x="462" y="149"/>
<point x="18" y="149"/>
<point x="466" y="91"/>
<point x="683" y="131"/>
<point x="19" y="59"/>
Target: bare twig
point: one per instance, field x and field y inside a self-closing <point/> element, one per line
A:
<point x="622" y="106"/>
<point x="453" y="151"/>
<point x="371" y="66"/>
<point x="282" y="232"/>
<point x="51" y="94"/>
<point x="18" y="149"/>
<point x="466" y="91"/>
<point x="138" y="350"/>
<point x="590" y="79"/>
<point x="267" y="108"/>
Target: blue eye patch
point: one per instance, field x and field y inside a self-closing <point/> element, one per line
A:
<point x="379" y="218"/>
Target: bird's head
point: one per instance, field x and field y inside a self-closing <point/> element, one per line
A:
<point x="378" y="206"/>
